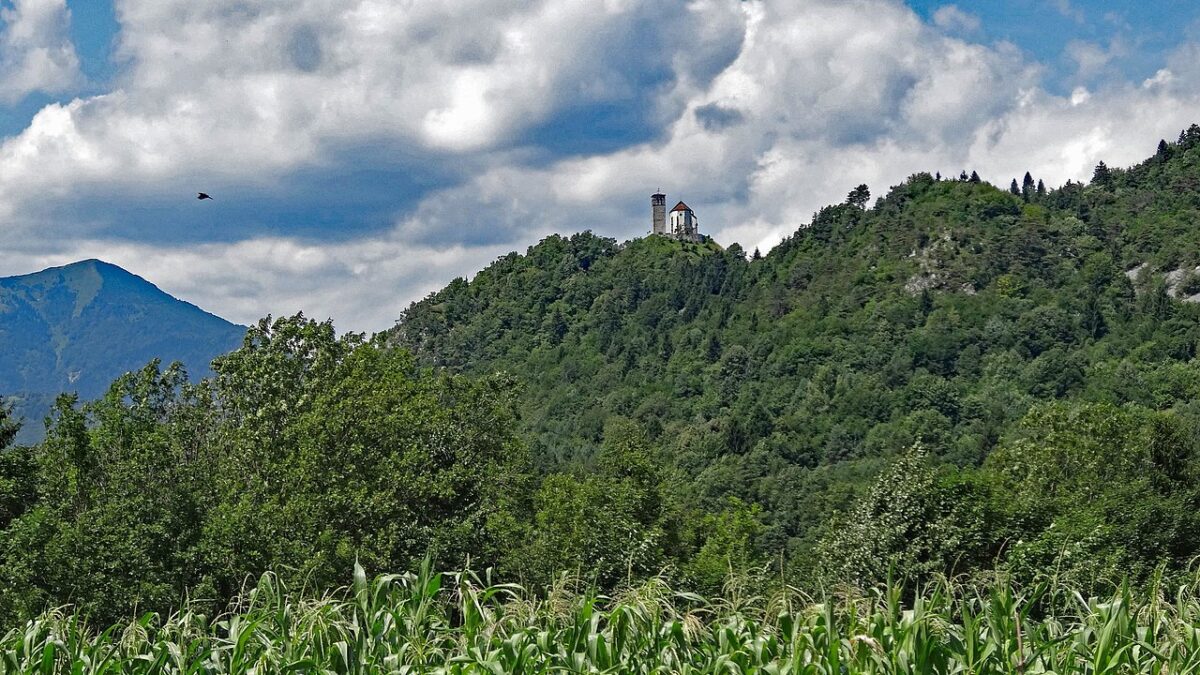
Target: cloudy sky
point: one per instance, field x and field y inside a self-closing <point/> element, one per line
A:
<point x="364" y="152"/>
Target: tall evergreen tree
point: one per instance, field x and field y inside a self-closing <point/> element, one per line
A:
<point x="1102" y="176"/>
<point x="1014" y="189"/>
<point x="1163" y="152"/>
<point x="975" y="178"/>
<point x="1027" y="186"/>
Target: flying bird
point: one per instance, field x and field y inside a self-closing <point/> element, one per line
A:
<point x="202" y="195"/>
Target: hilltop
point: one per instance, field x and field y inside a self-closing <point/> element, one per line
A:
<point x="75" y="328"/>
<point x="939" y="317"/>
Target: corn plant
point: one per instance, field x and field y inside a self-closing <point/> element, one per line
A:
<point x="465" y="623"/>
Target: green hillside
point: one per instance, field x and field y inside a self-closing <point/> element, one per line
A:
<point x="939" y="317"/>
<point x="76" y="328"/>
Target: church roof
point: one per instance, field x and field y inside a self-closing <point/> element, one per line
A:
<point x="681" y="207"/>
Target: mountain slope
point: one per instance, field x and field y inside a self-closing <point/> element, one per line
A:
<point x="77" y="327"/>
<point x="940" y="316"/>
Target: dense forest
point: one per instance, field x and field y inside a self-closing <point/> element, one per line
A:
<point x="956" y="380"/>
<point x="1022" y="359"/>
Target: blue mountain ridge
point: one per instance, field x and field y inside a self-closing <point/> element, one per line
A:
<point x="77" y="327"/>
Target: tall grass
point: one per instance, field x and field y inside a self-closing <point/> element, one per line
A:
<point x="464" y="623"/>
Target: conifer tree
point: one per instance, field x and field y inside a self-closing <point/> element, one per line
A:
<point x="1014" y="189"/>
<point x="1102" y="176"/>
<point x="859" y="196"/>
<point x="1164" y="151"/>
<point x="975" y="178"/>
<point x="1191" y="137"/>
<point x="1027" y="186"/>
<point x="1041" y="188"/>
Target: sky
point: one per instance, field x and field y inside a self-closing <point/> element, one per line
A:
<point x="363" y="153"/>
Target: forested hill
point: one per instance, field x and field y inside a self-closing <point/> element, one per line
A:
<point x="938" y="316"/>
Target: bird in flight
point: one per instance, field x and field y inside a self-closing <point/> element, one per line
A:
<point x="202" y="195"/>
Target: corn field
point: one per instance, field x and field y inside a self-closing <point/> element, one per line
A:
<point x="462" y="623"/>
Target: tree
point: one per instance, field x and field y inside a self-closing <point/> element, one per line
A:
<point x="423" y="463"/>
<point x="17" y="477"/>
<point x="912" y="524"/>
<point x="603" y="524"/>
<point x="1163" y="153"/>
<point x="1190" y="137"/>
<point x="1099" y="491"/>
<point x="1041" y="188"/>
<point x="1013" y="189"/>
<point x="121" y="493"/>
<point x="975" y="177"/>
<point x="859" y="196"/>
<point x="729" y="545"/>
<point x="1102" y="176"/>
<point x="305" y="453"/>
<point x="1027" y="186"/>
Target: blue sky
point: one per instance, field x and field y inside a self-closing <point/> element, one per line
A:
<point x="365" y="152"/>
<point x="1144" y="32"/>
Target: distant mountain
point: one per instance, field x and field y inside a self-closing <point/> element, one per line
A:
<point x="76" y="328"/>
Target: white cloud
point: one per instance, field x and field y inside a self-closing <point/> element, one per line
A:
<point x="36" y="53"/>
<point x="1069" y="10"/>
<point x="951" y="18"/>
<point x="1092" y="59"/>
<point x="765" y="112"/>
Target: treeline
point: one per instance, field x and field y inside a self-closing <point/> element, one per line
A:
<point x="304" y="454"/>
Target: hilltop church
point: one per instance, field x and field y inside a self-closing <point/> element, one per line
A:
<point x="683" y="226"/>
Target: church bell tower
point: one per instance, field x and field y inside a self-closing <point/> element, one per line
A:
<point x="658" y="213"/>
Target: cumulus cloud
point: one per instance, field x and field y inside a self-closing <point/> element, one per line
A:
<point x="36" y="53"/>
<point x="757" y="113"/>
<point x="1092" y="59"/>
<point x="951" y="18"/>
<point x="1069" y="10"/>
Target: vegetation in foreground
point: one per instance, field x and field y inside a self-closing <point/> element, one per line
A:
<point x="462" y="623"/>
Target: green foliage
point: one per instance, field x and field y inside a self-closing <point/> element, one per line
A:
<point x="305" y="453"/>
<point x="859" y="196"/>
<point x="468" y="624"/>
<point x="941" y="316"/>
<point x="1099" y="493"/>
<point x="911" y="524"/>
<point x="608" y="524"/>
<point x="16" y="471"/>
